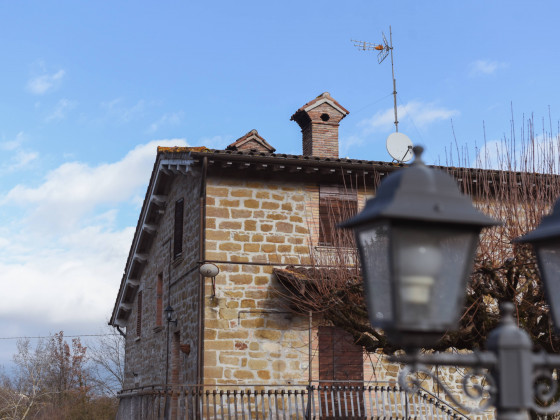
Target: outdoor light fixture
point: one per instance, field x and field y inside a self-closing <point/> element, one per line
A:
<point x="210" y="270"/>
<point x="546" y="242"/>
<point x="169" y="315"/>
<point x="417" y="240"/>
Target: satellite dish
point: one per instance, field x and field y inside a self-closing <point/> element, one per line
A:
<point x="399" y="147"/>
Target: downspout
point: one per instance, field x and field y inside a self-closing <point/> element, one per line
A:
<point x="201" y="280"/>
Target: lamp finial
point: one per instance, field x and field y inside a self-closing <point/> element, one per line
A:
<point x="418" y="150"/>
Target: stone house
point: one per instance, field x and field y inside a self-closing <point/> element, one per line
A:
<point x="247" y="210"/>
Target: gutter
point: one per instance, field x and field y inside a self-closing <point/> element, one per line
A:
<point x="296" y="160"/>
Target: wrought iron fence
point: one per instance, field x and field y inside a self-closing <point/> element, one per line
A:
<point x="290" y="402"/>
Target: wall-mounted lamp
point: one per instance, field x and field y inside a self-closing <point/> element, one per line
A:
<point x="169" y="315"/>
<point x="210" y="270"/>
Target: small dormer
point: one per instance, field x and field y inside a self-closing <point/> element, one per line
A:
<point x="251" y="142"/>
<point x="319" y="120"/>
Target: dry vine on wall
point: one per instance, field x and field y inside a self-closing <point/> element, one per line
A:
<point x="521" y="188"/>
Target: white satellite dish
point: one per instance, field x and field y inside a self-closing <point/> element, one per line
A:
<point x="399" y="147"/>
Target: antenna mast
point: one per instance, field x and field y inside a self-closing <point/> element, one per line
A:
<point x="384" y="50"/>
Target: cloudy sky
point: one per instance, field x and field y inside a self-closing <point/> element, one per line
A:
<point x="89" y="89"/>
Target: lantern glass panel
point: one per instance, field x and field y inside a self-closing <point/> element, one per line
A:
<point x="373" y="243"/>
<point x="431" y="266"/>
<point x="549" y="264"/>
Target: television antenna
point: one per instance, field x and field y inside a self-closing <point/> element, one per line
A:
<point x="384" y="50"/>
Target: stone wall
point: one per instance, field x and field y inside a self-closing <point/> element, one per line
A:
<point x="251" y="228"/>
<point x="249" y="336"/>
<point x="145" y="357"/>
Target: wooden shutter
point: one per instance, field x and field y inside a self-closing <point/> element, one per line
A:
<point x="139" y="314"/>
<point x="339" y="358"/>
<point x="340" y="364"/>
<point x="159" y="300"/>
<point x="335" y="205"/>
<point x="178" y="230"/>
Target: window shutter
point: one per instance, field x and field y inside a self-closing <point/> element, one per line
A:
<point x="178" y="230"/>
<point x="159" y="300"/>
<point x="339" y="358"/>
<point x="341" y="363"/>
<point x="335" y="205"/>
<point x="139" y="314"/>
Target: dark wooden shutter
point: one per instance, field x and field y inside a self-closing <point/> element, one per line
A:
<point x="139" y="314"/>
<point x="159" y="300"/>
<point x="335" y="205"/>
<point x="340" y="360"/>
<point x="178" y="230"/>
<point x="340" y="364"/>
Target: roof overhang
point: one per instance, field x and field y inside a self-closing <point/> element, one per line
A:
<point x="165" y="169"/>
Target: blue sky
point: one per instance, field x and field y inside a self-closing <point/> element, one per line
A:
<point x="89" y="89"/>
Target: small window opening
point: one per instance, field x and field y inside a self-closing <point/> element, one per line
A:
<point x="178" y="231"/>
<point x="335" y="205"/>
<point x="139" y="314"/>
<point x="159" y="300"/>
<point x="325" y="117"/>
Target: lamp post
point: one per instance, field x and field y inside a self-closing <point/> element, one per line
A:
<point x="417" y="240"/>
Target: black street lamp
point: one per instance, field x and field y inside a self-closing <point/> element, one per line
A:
<point x="417" y="239"/>
<point x="546" y="242"/>
<point x="169" y="311"/>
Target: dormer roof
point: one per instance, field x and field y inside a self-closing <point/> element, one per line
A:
<point x="253" y="142"/>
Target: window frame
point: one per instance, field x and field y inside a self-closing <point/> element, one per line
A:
<point x="336" y="203"/>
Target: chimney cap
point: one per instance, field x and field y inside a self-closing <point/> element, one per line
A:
<point x="324" y="97"/>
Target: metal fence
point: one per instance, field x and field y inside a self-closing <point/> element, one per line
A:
<point x="265" y="402"/>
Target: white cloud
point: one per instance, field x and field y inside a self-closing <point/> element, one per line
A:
<point x="167" y="119"/>
<point x="13" y="144"/>
<point x="216" y="142"/>
<point x="18" y="156"/>
<point x="74" y="189"/>
<point x="22" y="159"/>
<point x="485" y="67"/>
<point x="421" y="113"/>
<point x="64" y="255"/>
<point x="42" y="84"/>
<point x="117" y="110"/>
<point x="347" y="143"/>
<point x="60" y="110"/>
<point x="77" y="282"/>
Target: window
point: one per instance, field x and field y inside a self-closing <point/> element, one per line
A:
<point x="178" y="230"/>
<point x="339" y="358"/>
<point x="139" y="314"/>
<point x="335" y="205"/>
<point x="159" y="300"/>
<point x="341" y="363"/>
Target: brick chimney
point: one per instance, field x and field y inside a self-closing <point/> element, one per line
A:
<point x="319" y="120"/>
